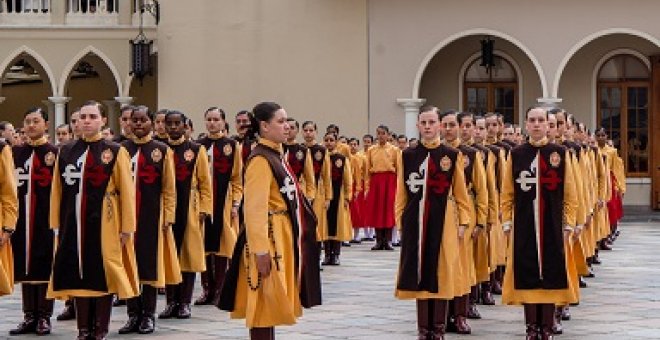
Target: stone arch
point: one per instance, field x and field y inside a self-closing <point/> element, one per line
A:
<point x="41" y="63"/>
<point x="586" y="40"/>
<point x="477" y="31"/>
<point x="78" y="57"/>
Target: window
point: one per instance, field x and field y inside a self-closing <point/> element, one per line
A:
<point x="623" y="110"/>
<point x="494" y="91"/>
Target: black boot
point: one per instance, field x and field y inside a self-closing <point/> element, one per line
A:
<point x="69" y="311"/>
<point x="387" y="241"/>
<point x="149" y="298"/>
<point x="185" y="295"/>
<point x="44" y="309"/>
<point x="473" y="312"/>
<point x="266" y="333"/>
<point x="327" y="250"/>
<point x="103" y="310"/>
<point x="460" y="315"/>
<point x="83" y="317"/>
<point x="486" y="295"/>
<point x="220" y="270"/>
<point x="547" y="320"/>
<point x="336" y="249"/>
<point x="134" y="309"/>
<point x="379" y="240"/>
<point x="557" y="328"/>
<point x="29" y="323"/>
<point x="531" y="322"/>
<point x="172" y="307"/>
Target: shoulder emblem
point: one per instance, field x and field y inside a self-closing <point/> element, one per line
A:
<point x="318" y="155"/>
<point x="156" y="155"/>
<point x="445" y="163"/>
<point x="300" y="155"/>
<point x="555" y="159"/>
<point x="49" y="158"/>
<point x="227" y="149"/>
<point x="188" y="155"/>
<point x="107" y="156"/>
<point x="339" y="162"/>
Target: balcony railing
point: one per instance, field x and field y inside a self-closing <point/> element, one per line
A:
<point x="84" y="13"/>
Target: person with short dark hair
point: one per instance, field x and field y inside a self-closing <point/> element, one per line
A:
<point x="155" y="198"/>
<point x="63" y="133"/>
<point x="93" y="215"/>
<point x="32" y="240"/>
<point x="193" y="207"/>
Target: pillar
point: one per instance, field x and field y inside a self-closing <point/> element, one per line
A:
<point x="60" y="109"/>
<point x="411" y="110"/>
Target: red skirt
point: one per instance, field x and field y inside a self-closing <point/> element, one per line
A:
<point x="380" y="200"/>
<point x="614" y="205"/>
<point x="357" y="213"/>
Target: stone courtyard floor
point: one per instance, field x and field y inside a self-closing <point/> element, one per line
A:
<point x="621" y="302"/>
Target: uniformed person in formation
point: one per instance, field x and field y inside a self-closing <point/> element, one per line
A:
<point x="193" y="206"/>
<point x="274" y="270"/>
<point x="338" y="228"/>
<point x="152" y="166"/>
<point x="8" y="218"/>
<point x="33" y="240"/>
<point x="220" y="228"/>
<point x="93" y="216"/>
<point x="432" y="208"/>
<point x="538" y="209"/>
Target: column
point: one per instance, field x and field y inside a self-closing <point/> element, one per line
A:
<point x="124" y="100"/>
<point x="411" y="109"/>
<point x="60" y="109"/>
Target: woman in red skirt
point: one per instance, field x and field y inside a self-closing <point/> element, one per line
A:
<point x="380" y="187"/>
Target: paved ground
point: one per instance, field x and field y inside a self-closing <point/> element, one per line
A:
<point x="622" y="302"/>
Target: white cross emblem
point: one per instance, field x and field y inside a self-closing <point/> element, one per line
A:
<point x="23" y="175"/>
<point x="71" y="174"/>
<point x="289" y="188"/>
<point x="526" y="180"/>
<point x="417" y="180"/>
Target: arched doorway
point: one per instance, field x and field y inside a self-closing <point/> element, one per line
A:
<point x="24" y="83"/>
<point x="92" y="79"/>
<point x="491" y="90"/>
<point x="623" y="109"/>
<point x="453" y="79"/>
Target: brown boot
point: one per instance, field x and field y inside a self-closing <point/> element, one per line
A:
<point x="44" y="309"/>
<point x="473" y="312"/>
<point x="185" y="295"/>
<point x="149" y="297"/>
<point x="496" y="280"/>
<point x="531" y="322"/>
<point x="547" y="320"/>
<point x="460" y="318"/>
<point x="439" y="318"/>
<point x="29" y="323"/>
<point x="262" y="333"/>
<point x="208" y="282"/>
<point x="423" y="320"/>
<point x="556" y="325"/>
<point x="103" y="310"/>
<point x="83" y="310"/>
<point x="486" y="295"/>
<point x="172" y="307"/>
<point x="134" y="309"/>
<point x="220" y="270"/>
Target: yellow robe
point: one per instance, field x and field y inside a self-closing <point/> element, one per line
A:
<point x="234" y="194"/>
<point x="457" y="213"/>
<point x="479" y="217"/>
<point x="118" y="217"/>
<point x="323" y="193"/>
<point x="191" y="258"/>
<point x="512" y="296"/>
<point x="273" y="300"/>
<point x="344" y="225"/>
<point x="168" y="271"/>
<point x="8" y="218"/>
